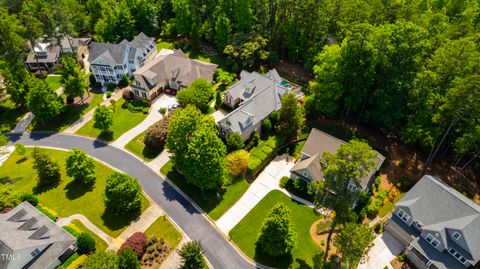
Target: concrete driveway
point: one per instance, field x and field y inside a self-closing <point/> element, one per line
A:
<point x="163" y="100"/>
<point x="219" y="114"/>
<point x="385" y="248"/>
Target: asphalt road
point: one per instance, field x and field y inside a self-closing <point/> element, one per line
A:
<point x="218" y="251"/>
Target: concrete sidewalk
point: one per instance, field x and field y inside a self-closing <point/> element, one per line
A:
<point x="89" y="115"/>
<point x="159" y="161"/>
<point x="153" y="117"/>
<point x="65" y="221"/>
<point x="267" y="181"/>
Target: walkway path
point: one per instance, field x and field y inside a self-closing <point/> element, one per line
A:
<point x="267" y="181"/>
<point x="159" y="161"/>
<point x="218" y="250"/>
<point x="174" y="260"/>
<point x="89" y="115"/>
<point x="65" y="221"/>
<point x="153" y="116"/>
<point x="141" y="224"/>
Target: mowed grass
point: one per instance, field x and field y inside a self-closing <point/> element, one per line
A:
<point x="137" y="147"/>
<point x="163" y="44"/>
<point x="100" y="245"/>
<point x="163" y="228"/>
<point x="215" y="205"/>
<point x="68" y="197"/>
<point x="123" y="120"/>
<point x="307" y="253"/>
<point x="10" y="115"/>
<point x="71" y="114"/>
<point x="54" y="82"/>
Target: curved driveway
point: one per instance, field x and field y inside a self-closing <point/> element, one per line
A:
<point x="217" y="249"/>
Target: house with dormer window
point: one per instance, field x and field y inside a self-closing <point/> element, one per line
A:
<point x="439" y="226"/>
<point x="171" y="70"/>
<point x="254" y="97"/>
<point x="110" y="62"/>
<point x="308" y="168"/>
<point x="30" y="240"/>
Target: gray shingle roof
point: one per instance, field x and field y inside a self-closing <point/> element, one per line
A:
<point x="442" y="209"/>
<point x="25" y="227"/>
<point x="319" y="142"/>
<point x="312" y="165"/>
<point x="141" y="40"/>
<point x="177" y="65"/>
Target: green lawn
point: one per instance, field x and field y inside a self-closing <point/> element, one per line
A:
<point x="209" y="202"/>
<point x="54" y="82"/>
<point x="307" y="253"/>
<point x="163" y="228"/>
<point x="100" y="245"/>
<point x="72" y="113"/>
<point x="163" y="44"/>
<point x="137" y="147"/>
<point x="68" y="197"/>
<point x="10" y="115"/>
<point x="123" y="120"/>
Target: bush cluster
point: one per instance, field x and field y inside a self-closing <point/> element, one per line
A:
<point x="156" y="134"/>
<point x="137" y="242"/>
<point x="85" y="243"/>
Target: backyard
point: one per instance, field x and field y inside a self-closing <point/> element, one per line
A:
<point x="123" y="120"/>
<point x="137" y="147"/>
<point x="307" y="253"/>
<point x="54" y="82"/>
<point x="68" y="197"/>
<point x="215" y="205"/>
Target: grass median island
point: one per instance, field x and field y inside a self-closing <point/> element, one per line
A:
<point x="123" y="120"/>
<point x="163" y="228"/>
<point x="68" y="197"/>
<point x="214" y="205"/>
<point x="306" y="254"/>
<point x="137" y="147"/>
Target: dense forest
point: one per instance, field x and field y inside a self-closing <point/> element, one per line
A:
<point x="408" y="66"/>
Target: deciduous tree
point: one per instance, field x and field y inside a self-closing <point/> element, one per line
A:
<point x="197" y="94"/>
<point x="79" y="166"/>
<point x="48" y="171"/>
<point x="237" y="162"/>
<point x="277" y="235"/>
<point x="292" y="116"/>
<point x="123" y="194"/>
<point x="102" y="118"/>
<point x="192" y="255"/>
<point x="353" y="241"/>
<point x="41" y="100"/>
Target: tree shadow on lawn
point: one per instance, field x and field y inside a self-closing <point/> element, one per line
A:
<point x="75" y="189"/>
<point x="284" y="261"/>
<point x="115" y="222"/>
<point x="69" y="115"/>
<point x="151" y="153"/>
<point x="106" y="136"/>
<point x="38" y="189"/>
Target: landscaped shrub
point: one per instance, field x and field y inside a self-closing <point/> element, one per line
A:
<point x="162" y="111"/>
<point x="300" y="188"/>
<point x="29" y="197"/>
<point x="78" y="262"/>
<point x="73" y="230"/>
<point x="145" y="110"/>
<point x="85" y="243"/>
<point x="266" y="126"/>
<point x="267" y="150"/>
<point x="111" y="86"/>
<point x="127" y="94"/>
<point x="253" y="163"/>
<point x="274" y="118"/>
<point x="235" y="142"/>
<point x="109" y="94"/>
<point x="405" y="184"/>
<point x="378" y="228"/>
<point x="137" y="242"/>
<point x="284" y="181"/>
<point x="258" y="153"/>
<point x="156" y="134"/>
<point x="8" y="198"/>
<point x="47" y="212"/>
<point x="92" y="80"/>
<point x="123" y="82"/>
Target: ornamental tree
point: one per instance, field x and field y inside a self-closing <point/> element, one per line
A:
<point x="85" y="243"/>
<point x="102" y="118"/>
<point x="79" y="166"/>
<point x="292" y="116"/>
<point x="237" y="162"/>
<point x="192" y="255"/>
<point x="48" y="170"/>
<point x="127" y="259"/>
<point x="122" y="194"/>
<point x="41" y="100"/>
<point x="197" y="94"/>
<point x="156" y="135"/>
<point x="353" y="242"/>
<point x="137" y="243"/>
<point x="235" y="141"/>
<point x="277" y="235"/>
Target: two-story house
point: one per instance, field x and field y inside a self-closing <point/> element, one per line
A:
<point x="254" y="97"/>
<point x="172" y="70"/>
<point x="308" y="168"/>
<point x="30" y="240"/>
<point x="110" y="62"/>
<point x="439" y="226"/>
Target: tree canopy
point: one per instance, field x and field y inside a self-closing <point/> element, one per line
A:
<point x="198" y="94"/>
<point x="353" y="241"/>
<point x="123" y="194"/>
<point x="79" y="166"/>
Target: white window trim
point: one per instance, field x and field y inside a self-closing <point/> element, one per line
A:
<point x="402" y="215"/>
<point x="352" y="187"/>
<point x="432" y="240"/>
<point x="457" y="258"/>
<point x="456" y="235"/>
<point x="419" y="225"/>
<point x="305" y="173"/>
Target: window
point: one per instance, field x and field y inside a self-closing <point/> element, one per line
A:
<point x="432" y="240"/>
<point x="419" y="225"/>
<point x="35" y="252"/>
<point x="457" y="255"/>
<point x="404" y="216"/>
<point x="352" y="187"/>
<point x="144" y="95"/>
<point x="305" y="173"/>
<point x="456" y="235"/>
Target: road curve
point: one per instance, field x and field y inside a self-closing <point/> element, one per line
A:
<point x="220" y="253"/>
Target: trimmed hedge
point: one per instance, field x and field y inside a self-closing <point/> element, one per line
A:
<point x="267" y="149"/>
<point x="253" y="163"/>
<point x="78" y="262"/>
<point x="258" y="153"/>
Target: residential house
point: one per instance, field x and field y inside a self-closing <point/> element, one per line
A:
<point x="254" y="97"/>
<point x="45" y="52"/>
<point x="308" y="167"/>
<point x="172" y="70"/>
<point x="439" y="226"/>
<point x="110" y="62"/>
<point x="29" y="239"/>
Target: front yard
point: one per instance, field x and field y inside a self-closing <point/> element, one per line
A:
<point x="54" y="82"/>
<point x="68" y="197"/>
<point x="123" y="120"/>
<point x="307" y="253"/>
<point x="137" y="147"/>
<point x="10" y="115"/>
<point x="215" y="205"/>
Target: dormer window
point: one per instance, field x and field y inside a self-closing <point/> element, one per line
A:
<point x="35" y="252"/>
<point x="352" y="187"/>
<point x="419" y="225"/>
<point x="432" y="240"/>
<point x="456" y="235"/>
<point x="305" y="173"/>
<point x="404" y="216"/>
